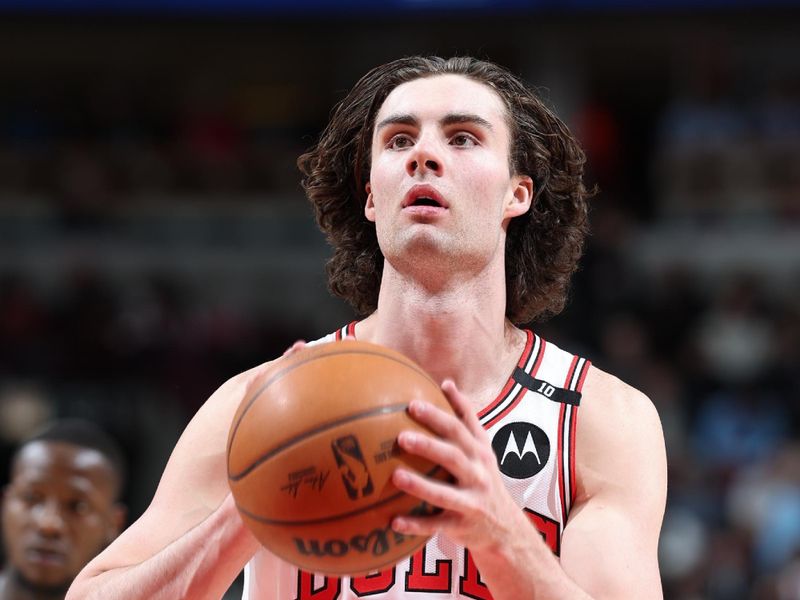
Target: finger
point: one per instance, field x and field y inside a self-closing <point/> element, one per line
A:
<point x="426" y="526"/>
<point x="436" y="493"/>
<point x="440" y="452"/>
<point x="462" y="407"/>
<point x="442" y="423"/>
<point x="298" y="345"/>
<point x="415" y="525"/>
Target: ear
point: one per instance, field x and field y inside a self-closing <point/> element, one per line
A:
<point x="369" y="207"/>
<point x="521" y="198"/>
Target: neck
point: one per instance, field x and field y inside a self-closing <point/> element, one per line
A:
<point x="14" y="587"/>
<point x="456" y="330"/>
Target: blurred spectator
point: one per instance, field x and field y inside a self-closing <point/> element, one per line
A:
<point x="24" y="408"/>
<point x="24" y="322"/>
<point x="83" y="326"/>
<point x="738" y="426"/>
<point x="60" y="508"/>
<point x="778" y="109"/>
<point x="788" y="580"/>
<point x="707" y="169"/>
<point x="210" y="142"/>
<point x="682" y="551"/>
<point x="765" y="501"/>
<point x="664" y="386"/>
<point x="735" y="335"/>
<point x="598" y="130"/>
<point x="674" y="305"/>
<point x="83" y="186"/>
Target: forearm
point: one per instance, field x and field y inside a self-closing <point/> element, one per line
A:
<point x="199" y="565"/>
<point x="523" y="566"/>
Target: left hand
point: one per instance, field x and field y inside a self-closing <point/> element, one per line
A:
<point x="478" y="512"/>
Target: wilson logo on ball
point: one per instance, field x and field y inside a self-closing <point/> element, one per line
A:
<point x="352" y="467"/>
<point x="377" y="542"/>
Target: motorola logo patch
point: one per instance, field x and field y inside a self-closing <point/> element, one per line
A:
<point x="522" y="450"/>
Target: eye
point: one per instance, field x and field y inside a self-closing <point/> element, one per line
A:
<point x="400" y="141"/>
<point x="78" y="506"/>
<point x="31" y="497"/>
<point x="463" y="140"/>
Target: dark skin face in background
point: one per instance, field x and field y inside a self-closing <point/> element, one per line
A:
<point x="58" y="512"/>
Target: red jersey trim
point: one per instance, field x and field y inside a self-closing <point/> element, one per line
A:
<point x="567" y="427"/>
<point x="573" y="429"/>
<point x="562" y="494"/>
<point x="508" y="388"/>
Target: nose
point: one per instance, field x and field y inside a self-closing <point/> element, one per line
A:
<point x="424" y="158"/>
<point x="49" y="520"/>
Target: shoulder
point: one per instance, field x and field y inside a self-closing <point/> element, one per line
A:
<point x="611" y="401"/>
<point x="619" y="438"/>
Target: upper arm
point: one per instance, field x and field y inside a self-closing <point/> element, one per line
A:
<point x="193" y="485"/>
<point x="610" y="543"/>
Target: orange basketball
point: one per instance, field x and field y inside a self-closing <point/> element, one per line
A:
<point x="311" y="453"/>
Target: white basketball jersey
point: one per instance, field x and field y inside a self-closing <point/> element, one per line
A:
<point x="531" y="424"/>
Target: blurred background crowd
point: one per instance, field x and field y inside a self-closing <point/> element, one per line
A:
<point x="154" y="240"/>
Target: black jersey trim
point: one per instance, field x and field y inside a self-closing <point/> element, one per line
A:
<point x="535" y="385"/>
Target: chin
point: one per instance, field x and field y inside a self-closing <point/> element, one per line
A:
<point x="425" y="243"/>
<point x="54" y="585"/>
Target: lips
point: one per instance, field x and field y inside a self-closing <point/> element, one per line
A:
<point x="46" y="556"/>
<point x="424" y="196"/>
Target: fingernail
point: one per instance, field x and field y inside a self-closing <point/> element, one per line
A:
<point x="407" y="439"/>
<point x="400" y="477"/>
<point x="417" y="406"/>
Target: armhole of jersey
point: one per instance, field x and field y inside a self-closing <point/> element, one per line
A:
<point x="578" y="388"/>
<point x="567" y="427"/>
<point x="246" y="586"/>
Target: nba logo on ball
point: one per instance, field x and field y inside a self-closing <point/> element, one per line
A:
<point x="352" y="467"/>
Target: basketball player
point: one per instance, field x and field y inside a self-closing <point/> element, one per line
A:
<point x="455" y="204"/>
<point x="60" y="508"/>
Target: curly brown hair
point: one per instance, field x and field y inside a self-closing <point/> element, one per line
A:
<point x="542" y="246"/>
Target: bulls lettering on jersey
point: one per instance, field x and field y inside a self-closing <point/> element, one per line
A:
<point x="531" y="424"/>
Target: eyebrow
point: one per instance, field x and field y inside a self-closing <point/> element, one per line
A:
<point x="448" y="119"/>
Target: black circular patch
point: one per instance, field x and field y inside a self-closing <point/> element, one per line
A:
<point x="522" y="449"/>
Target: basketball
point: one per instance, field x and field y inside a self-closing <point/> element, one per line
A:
<point x="311" y="452"/>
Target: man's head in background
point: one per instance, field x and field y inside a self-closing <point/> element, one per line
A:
<point x="61" y="506"/>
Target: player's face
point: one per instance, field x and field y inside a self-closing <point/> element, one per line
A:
<point x="58" y="512"/>
<point x="440" y="181"/>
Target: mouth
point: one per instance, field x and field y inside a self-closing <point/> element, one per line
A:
<point x="46" y="556"/>
<point x="425" y="201"/>
<point x="424" y="196"/>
